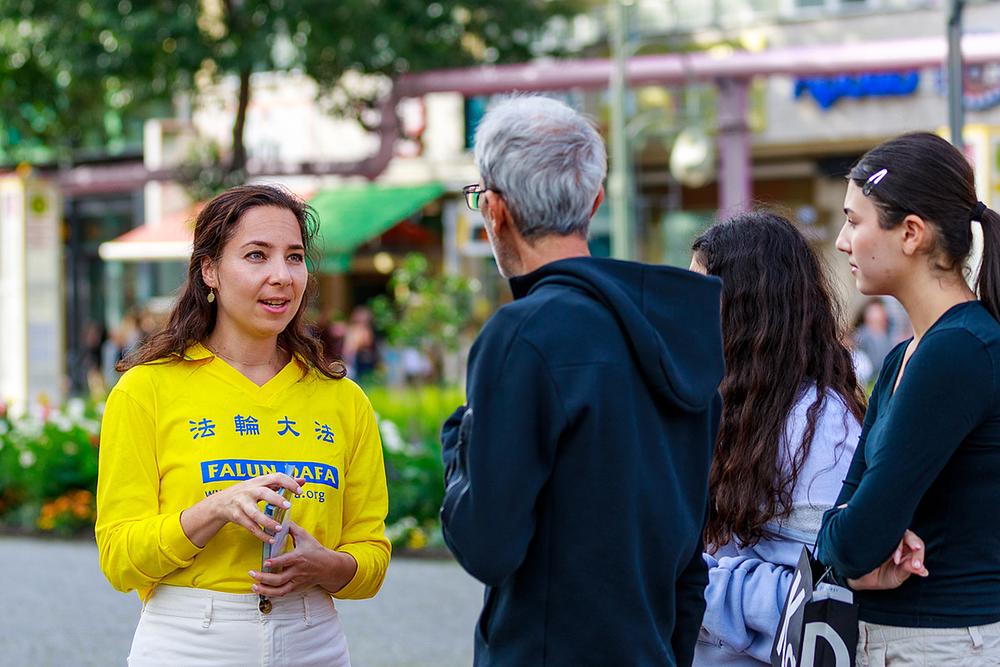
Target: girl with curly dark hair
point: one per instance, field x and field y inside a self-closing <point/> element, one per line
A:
<point x="791" y="417"/>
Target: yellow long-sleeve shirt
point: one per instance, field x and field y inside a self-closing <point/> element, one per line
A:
<point x="174" y="433"/>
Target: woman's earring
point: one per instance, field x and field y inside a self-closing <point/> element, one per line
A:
<point x="211" y="295"/>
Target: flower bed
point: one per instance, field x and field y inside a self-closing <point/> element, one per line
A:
<point x="48" y="469"/>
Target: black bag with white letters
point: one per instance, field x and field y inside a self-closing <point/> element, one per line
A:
<point x="819" y="623"/>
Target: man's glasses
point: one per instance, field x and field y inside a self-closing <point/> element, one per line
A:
<point x="873" y="180"/>
<point x="473" y="194"/>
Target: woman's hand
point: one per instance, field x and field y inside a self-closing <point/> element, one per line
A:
<point x="308" y="564"/>
<point x="238" y="504"/>
<point x="907" y="559"/>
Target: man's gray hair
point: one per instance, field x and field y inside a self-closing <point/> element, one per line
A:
<point x="546" y="160"/>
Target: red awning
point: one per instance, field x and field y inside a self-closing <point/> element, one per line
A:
<point x="170" y="238"/>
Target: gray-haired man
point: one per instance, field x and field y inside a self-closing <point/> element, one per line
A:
<point x="576" y="473"/>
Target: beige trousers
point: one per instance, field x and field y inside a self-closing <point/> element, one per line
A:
<point x="889" y="646"/>
<point x="192" y="627"/>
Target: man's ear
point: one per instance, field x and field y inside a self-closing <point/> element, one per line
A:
<point x="209" y="274"/>
<point x="916" y="235"/>
<point x="498" y="216"/>
<point x="598" y="200"/>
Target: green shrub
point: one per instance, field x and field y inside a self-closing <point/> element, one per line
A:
<point x="410" y="422"/>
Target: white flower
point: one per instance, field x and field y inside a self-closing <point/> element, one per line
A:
<point x="27" y="458"/>
<point x="36" y="411"/>
<point x="75" y="408"/>
<point x="61" y="421"/>
<point x="400" y="528"/>
<point x="29" y="428"/>
<point x="391" y="437"/>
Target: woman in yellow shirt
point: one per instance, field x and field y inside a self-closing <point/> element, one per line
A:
<point x="199" y="433"/>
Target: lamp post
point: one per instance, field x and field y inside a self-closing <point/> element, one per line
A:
<point x="619" y="186"/>
<point x="956" y="110"/>
<point x="733" y="143"/>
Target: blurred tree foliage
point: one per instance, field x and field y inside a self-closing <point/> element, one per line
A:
<point x="79" y="74"/>
<point x="424" y="311"/>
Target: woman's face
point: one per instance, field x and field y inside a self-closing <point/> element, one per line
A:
<point x="875" y="254"/>
<point x="261" y="276"/>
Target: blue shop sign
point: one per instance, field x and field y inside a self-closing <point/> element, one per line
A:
<point x="827" y="90"/>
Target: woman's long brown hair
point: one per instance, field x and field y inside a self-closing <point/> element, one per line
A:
<point x="781" y="332"/>
<point x="193" y="317"/>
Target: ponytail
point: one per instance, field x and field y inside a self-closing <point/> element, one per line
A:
<point x="988" y="282"/>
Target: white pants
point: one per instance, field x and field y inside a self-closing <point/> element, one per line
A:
<point x="200" y="628"/>
<point x="888" y="646"/>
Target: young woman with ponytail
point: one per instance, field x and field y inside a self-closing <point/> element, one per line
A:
<point x="916" y="529"/>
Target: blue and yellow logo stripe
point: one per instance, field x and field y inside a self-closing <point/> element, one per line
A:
<point x="236" y="470"/>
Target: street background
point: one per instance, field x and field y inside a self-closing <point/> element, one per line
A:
<point x="62" y="611"/>
<point x="120" y="119"/>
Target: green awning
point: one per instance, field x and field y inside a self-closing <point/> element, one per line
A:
<point x="349" y="217"/>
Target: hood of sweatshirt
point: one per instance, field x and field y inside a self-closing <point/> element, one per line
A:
<point x="670" y="317"/>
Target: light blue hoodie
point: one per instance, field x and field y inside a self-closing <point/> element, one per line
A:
<point x="747" y="585"/>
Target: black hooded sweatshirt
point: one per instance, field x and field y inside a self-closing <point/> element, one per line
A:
<point x="576" y="473"/>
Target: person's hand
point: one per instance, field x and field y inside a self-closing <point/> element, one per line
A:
<point x="906" y="560"/>
<point x="308" y="564"/>
<point x="238" y="503"/>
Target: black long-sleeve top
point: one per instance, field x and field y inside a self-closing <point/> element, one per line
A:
<point x="929" y="460"/>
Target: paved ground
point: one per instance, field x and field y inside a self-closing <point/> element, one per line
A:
<point x="61" y="612"/>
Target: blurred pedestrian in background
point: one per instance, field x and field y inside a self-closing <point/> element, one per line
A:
<point x="361" y="354"/>
<point x="331" y="331"/>
<point x="873" y="337"/>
